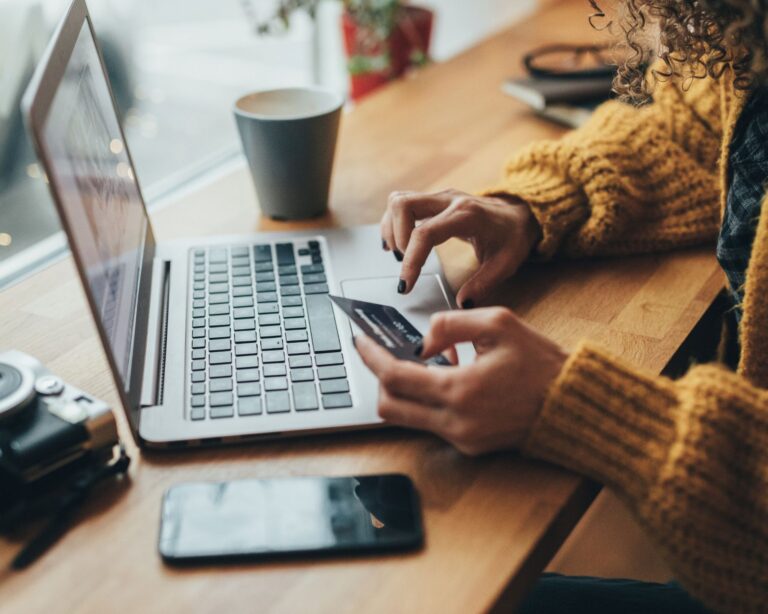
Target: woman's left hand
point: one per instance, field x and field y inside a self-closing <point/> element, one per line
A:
<point x="488" y="405"/>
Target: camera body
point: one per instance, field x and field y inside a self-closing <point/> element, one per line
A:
<point x="46" y="427"/>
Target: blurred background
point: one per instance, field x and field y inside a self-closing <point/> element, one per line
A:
<point x="176" y="67"/>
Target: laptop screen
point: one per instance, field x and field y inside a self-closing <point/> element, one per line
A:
<point x="98" y="194"/>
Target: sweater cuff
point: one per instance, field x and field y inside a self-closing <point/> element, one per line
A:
<point x="606" y="420"/>
<point x="557" y="204"/>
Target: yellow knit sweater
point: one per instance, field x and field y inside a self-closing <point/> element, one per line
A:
<point x="690" y="457"/>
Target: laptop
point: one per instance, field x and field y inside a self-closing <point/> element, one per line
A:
<point x="212" y="340"/>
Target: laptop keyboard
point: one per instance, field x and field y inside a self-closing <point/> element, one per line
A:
<point x="263" y="333"/>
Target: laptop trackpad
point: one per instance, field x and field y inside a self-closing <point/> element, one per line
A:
<point x="426" y="298"/>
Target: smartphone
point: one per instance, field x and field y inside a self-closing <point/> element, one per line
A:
<point x="268" y="518"/>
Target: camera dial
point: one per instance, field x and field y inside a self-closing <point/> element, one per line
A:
<point x="17" y="389"/>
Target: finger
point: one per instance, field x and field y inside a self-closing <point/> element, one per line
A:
<point x="402" y="378"/>
<point x="387" y="236"/>
<point x="408" y="207"/>
<point x="484" y="327"/>
<point x="433" y="232"/>
<point x="490" y="274"/>
<point x="411" y="414"/>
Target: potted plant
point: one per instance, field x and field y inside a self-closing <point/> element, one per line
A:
<point x="382" y="38"/>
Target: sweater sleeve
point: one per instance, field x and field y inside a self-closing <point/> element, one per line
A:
<point x="690" y="457"/>
<point x="631" y="180"/>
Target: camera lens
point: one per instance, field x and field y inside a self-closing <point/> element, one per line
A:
<point x="10" y="380"/>
<point x="16" y="390"/>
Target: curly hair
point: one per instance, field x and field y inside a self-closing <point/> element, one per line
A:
<point x="696" y="39"/>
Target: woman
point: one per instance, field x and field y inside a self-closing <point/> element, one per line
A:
<point x="690" y="457"/>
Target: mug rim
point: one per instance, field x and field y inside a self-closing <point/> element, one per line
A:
<point x="338" y="103"/>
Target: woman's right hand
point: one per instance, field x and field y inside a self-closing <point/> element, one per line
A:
<point x="502" y="232"/>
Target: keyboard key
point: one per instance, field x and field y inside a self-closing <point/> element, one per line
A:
<point x="248" y="324"/>
<point x="199" y="285"/>
<point x="242" y="291"/>
<point x="244" y="312"/>
<point x="245" y="336"/>
<point x="198" y="323"/>
<point x="274" y="370"/>
<point x="197" y="413"/>
<point x="217" y="371"/>
<point x="199" y="253"/>
<point x="198" y="333"/>
<point x="266" y="297"/>
<point x="304" y="252"/>
<point x="308" y="269"/>
<point x="220" y="345"/>
<point x="304" y="397"/>
<point x="198" y="354"/>
<point x="265" y="332"/>
<point x="289" y="280"/>
<point x="327" y="360"/>
<point x="249" y="406"/>
<point x="197" y="401"/>
<point x="262" y="267"/>
<point x="246" y="349"/>
<point x="278" y="402"/>
<point x="291" y="301"/>
<point x="265" y="308"/>
<point x="276" y="343"/>
<point x="198" y="304"/>
<point x="220" y="358"/>
<point x="242" y="250"/>
<point x="285" y="253"/>
<point x="333" y="386"/>
<point x="219" y="299"/>
<point x="270" y="319"/>
<point x="293" y="312"/>
<point x="287" y="270"/>
<point x="219" y="321"/>
<point x="322" y="324"/>
<point x="218" y="278"/>
<point x="247" y="362"/>
<point x="295" y="323"/>
<point x="295" y="349"/>
<point x="262" y="253"/>
<point x="219" y="310"/>
<point x="266" y="286"/>
<point x="243" y="270"/>
<point x="275" y="383"/>
<point x="290" y="291"/>
<point x="242" y="282"/>
<point x="198" y="365"/>
<point x="220" y="288"/>
<point x="273" y="356"/>
<point x="265" y="276"/>
<point x="222" y="332"/>
<point x="218" y="267"/>
<point x="198" y="376"/>
<point x="302" y="375"/>
<point x="243" y="301"/>
<point x="249" y="390"/>
<point x="198" y="344"/>
<point x="315" y="278"/>
<point x="220" y="399"/>
<point x="198" y="389"/>
<point x="224" y="411"/>
<point x="317" y="259"/>
<point x="331" y="372"/>
<point x="221" y="385"/>
<point x="316" y="289"/>
<point x="314" y="245"/>
<point x="291" y="336"/>
<point x="337" y="401"/>
<point x="300" y="362"/>
<point x="218" y="254"/>
<point x="198" y="313"/>
<point x="198" y="294"/>
<point x="248" y="375"/>
<point x="240" y="262"/>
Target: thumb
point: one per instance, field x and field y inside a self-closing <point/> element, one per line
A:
<point x="451" y="327"/>
<point x="490" y="274"/>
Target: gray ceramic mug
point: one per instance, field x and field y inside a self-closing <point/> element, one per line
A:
<point x="289" y="138"/>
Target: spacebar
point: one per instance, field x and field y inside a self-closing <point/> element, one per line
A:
<point x="322" y="324"/>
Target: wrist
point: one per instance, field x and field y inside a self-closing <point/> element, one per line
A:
<point x="531" y="229"/>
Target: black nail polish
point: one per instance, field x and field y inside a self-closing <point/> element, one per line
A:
<point x="401" y="287"/>
<point x="384" y="245"/>
<point x="419" y="350"/>
<point x="468" y="304"/>
<point x="398" y="255"/>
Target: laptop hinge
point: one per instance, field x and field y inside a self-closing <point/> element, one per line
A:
<point x="157" y="335"/>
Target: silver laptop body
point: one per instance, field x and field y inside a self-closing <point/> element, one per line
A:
<point x="172" y="315"/>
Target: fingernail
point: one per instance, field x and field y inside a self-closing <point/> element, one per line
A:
<point x="419" y="350"/>
<point x="398" y="255"/>
<point x="384" y="245"/>
<point x="401" y="287"/>
<point x="468" y="304"/>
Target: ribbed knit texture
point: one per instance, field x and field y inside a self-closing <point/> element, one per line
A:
<point x="690" y="457"/>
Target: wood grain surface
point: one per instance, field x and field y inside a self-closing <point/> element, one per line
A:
<point x="491" y="523"/>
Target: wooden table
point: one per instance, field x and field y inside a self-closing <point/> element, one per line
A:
<point x="492" y="523"/>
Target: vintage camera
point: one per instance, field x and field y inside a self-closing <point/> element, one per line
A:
<point x="48" y="430"/>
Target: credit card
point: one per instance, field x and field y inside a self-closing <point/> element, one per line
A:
<point x="389" y="328"/>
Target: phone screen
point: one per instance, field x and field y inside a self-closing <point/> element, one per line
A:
<point x="271" y="517"/>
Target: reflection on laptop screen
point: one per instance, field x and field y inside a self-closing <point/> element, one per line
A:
<point x="98" y="193"/>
